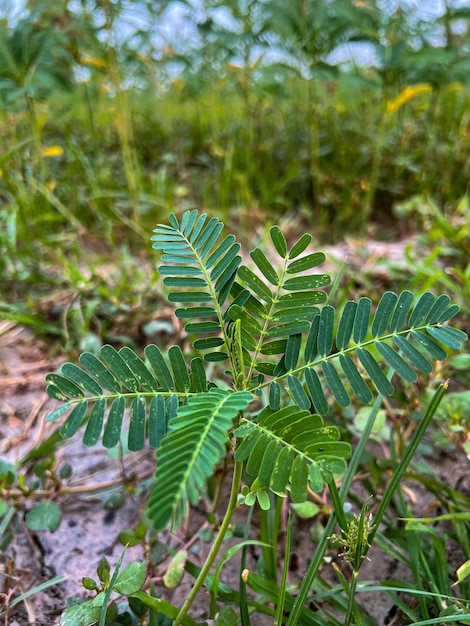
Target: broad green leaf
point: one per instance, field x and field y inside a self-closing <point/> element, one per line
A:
<point x="249" y="323"/>
<point x="293" y="314"/>
<point x="307" y="509"/>
<point x="315" y="478"/>
<point x="175" y="246"/>
<point x="306" y="263"/>
<point x="265" y="266"/>
<point x="225" y="280"/>
<point x="198" y="375"/>
<point x="173" y="221"/>
<point x="183" y="257"/>
<point x="279" y="241"/>
<point x="215" y="357"/>
<point x="449" y="313"/>
<point x="207" y="232"/>
<point x="44" y="516"/>
<point x="131" y="578"/>
<point x="263" y="500"/>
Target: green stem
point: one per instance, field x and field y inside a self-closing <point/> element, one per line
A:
<point x="351" y="598"/>
<point x="231" y="506"/>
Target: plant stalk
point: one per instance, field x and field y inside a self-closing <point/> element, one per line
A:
<point x="231" y="506"/>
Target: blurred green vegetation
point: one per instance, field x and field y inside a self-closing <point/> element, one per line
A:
<point x="109" y="121"/>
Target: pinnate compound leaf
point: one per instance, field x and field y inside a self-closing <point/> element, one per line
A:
<point x="282" y="447"/>
<point x="194" y="445"/>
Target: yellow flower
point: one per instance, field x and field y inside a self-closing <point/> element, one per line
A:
<point x="95" y="62"/>
<point x="405" y="95"/>
<point x="51" y="151"/>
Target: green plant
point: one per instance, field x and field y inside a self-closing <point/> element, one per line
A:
<point x="284" y="355"/>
